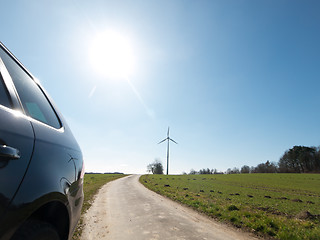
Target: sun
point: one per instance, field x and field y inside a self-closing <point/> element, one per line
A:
<point x="111" y="55"/>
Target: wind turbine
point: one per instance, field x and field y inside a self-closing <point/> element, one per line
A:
<point x="168" y="139"/>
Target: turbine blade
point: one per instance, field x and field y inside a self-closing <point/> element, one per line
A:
<point x="162" y="141"/>
<point x="168" y="132"/>
<point x="173" y="141"/>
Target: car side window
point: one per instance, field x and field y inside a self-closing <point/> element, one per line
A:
<point x="34" y="102"/>
<point x="4" y="97"/>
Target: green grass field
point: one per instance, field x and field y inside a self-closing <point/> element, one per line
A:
<point x="91" y="184"/>
<point x="280" y="206"/>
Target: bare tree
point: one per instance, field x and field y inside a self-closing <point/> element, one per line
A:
<point x="155" y="167"/>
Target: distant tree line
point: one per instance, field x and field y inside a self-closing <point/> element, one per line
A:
<point x="268" y="167"/>
<point x="204" y="171"/>
<point x="299" y="159"/>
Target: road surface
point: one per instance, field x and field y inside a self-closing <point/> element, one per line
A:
<point x="125" y="209"/>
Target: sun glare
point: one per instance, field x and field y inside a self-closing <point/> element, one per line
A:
<point x="111" y="55"/>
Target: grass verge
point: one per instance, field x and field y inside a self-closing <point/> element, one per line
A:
<point x="276" y="206"/>
<point x="91" y="184"/>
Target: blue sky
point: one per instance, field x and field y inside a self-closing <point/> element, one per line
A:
<point x="237" y="81"/>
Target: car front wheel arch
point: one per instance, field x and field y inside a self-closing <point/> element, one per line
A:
<point x="36" y="230"/>
<point x="56" y="214"/>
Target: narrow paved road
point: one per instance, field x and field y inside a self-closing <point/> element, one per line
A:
<point x="125" y="209"/>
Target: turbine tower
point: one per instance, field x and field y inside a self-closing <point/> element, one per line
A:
<point x="168" y="139"/>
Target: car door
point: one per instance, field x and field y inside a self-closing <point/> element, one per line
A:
<point x="38" y="137"/>
<point x="16" y="141"/>
<point x="56" y="158"/>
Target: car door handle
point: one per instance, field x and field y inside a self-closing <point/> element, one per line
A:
<point x="8" y="153"/>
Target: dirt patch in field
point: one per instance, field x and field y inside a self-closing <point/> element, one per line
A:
<point x="305" y="215"/>
<point x="272" y="211"/>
